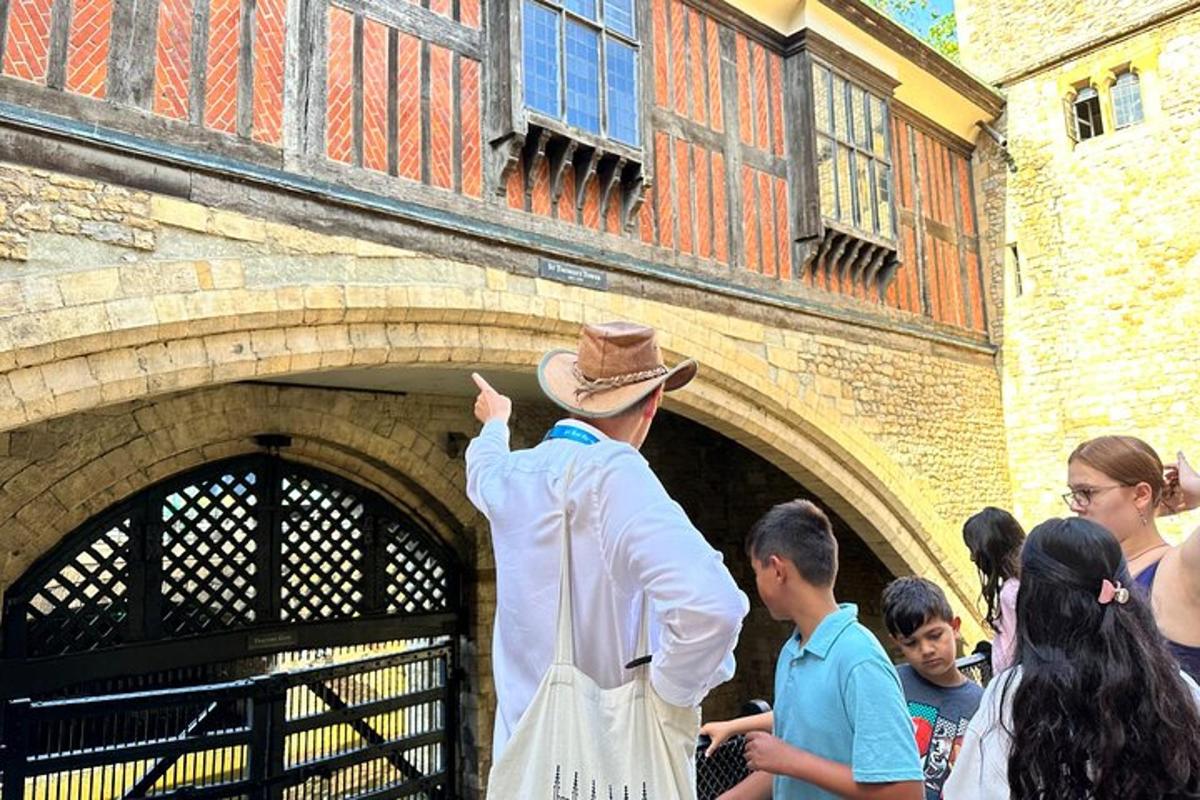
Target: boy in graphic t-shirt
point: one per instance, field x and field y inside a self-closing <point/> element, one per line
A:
<point x="940" y="698"/>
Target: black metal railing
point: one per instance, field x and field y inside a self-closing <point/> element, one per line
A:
<point x="726" y="767"/>
<point x="977" y="667"/>
<point x="376" y="727"/>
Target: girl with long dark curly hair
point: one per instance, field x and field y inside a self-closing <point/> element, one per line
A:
<point x="1096" y="709"/>
<point x="994" y="538"/>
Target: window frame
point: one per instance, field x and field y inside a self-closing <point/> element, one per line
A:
<point x="857" y="151"/>
<point x="1098" y="118"/>
<point x="604" y="32"/>
<point x="1126" y="72"/>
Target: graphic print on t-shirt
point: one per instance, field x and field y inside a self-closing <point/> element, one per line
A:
<point x="938" y="741"/>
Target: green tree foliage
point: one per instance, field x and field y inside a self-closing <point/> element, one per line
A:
<point x="943" y="33"/>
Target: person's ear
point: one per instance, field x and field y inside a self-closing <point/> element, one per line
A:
<point x="1143" y="497"/>
<point x="775" y="564"/>
<point x="956" y="626"/>
<point x="651" y="407"/>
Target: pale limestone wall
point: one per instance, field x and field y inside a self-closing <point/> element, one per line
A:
<point x="1101" y="337"/>
<point x="1001" y="37"/>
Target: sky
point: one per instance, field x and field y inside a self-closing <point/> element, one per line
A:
<point x="920" y="20"/>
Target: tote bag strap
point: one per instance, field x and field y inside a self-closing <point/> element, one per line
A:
<point x="564" y="643"/>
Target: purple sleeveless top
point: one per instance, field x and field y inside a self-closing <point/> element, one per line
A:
<point x="1188" y="656"/>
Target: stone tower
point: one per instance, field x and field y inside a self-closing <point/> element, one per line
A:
<point x="1102" y="283"/>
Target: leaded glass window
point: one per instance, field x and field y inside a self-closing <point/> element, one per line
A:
<point x="854" y="169"/>
<point x="580" y="60"/>
<point x="1127" y="100"/>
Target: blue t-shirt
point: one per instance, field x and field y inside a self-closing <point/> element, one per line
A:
<point x="838" y="696"/>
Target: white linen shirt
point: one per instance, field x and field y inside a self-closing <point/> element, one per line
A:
<point x="981" y="770"/>
<point x="628" y="537"/>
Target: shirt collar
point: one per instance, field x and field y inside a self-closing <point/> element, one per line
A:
<point x="578" y="423"/>
<point x="826" y="634"/>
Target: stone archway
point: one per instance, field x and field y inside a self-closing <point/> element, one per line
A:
<point x="262" y="301"/>
<point x="735" y="395"/>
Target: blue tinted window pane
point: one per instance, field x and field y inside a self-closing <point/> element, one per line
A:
<point x="618" y="16"/>
<point x="584" y="8"/>
<point x="541" y="59"/>
<point x="583" y="77"/>
<point x="622" y="93"/>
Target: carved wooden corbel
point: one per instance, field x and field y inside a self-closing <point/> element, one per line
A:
<point x="609" y="175"/>
<point x="846" y="268"/>
<point x="532" y="153"/>
<point x="633" y="195"/>
<point x="560" y="152"/>
<point x="871" y="275"/>
<point x="508" y="156"/>
<point x="821" y="261"/>
<point x="887" y="273"/>
<point x="587" y="159"/>
<point x="833" y="261"/>
<point x="807" y="251"/>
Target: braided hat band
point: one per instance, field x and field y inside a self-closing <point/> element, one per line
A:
<point x="590" y="386"/>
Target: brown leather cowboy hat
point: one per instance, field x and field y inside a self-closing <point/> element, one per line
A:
<point x="618" y="364"/>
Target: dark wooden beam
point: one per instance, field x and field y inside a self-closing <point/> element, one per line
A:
<point x="199" y="62"/>
<point x="245" y="82"/>
<point x="423" y="23"/>
<point x="60" y="27"/>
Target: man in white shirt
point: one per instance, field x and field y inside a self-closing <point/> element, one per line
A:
<point x="629" y="538"/>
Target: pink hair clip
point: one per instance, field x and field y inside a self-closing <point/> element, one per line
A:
<point x="1110" y="591"/>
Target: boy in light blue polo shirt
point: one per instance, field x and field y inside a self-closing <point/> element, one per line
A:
<point x="840" y="725"/>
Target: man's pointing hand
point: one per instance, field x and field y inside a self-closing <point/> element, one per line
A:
<point x="490" y="404"/>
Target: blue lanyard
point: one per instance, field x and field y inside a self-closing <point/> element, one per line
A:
<point x="571" y="432"/>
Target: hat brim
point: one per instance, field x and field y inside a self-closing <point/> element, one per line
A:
<point x="556" y="376"/>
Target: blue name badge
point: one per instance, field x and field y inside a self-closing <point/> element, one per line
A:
<point x="572" y="433"/>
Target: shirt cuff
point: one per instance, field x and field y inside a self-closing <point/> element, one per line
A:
<point x="496" y="427"/>
<point x="673" y="693"/>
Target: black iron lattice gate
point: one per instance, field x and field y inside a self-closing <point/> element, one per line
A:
<point x="370" y="728"/>
<point x="254" y="629"/>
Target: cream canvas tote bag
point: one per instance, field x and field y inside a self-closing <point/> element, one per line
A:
<point x="577" y="741"/>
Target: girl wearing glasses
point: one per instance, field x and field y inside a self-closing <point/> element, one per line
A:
<point x="1120" y="483"/>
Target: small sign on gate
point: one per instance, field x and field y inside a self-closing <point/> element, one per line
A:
<point x="271" y="641"/>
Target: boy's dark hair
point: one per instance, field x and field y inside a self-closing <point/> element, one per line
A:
<point x="801" y="533"/>
<point x="910" y="602"/>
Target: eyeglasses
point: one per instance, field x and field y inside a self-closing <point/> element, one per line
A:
<point x="1082" y="498"/>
